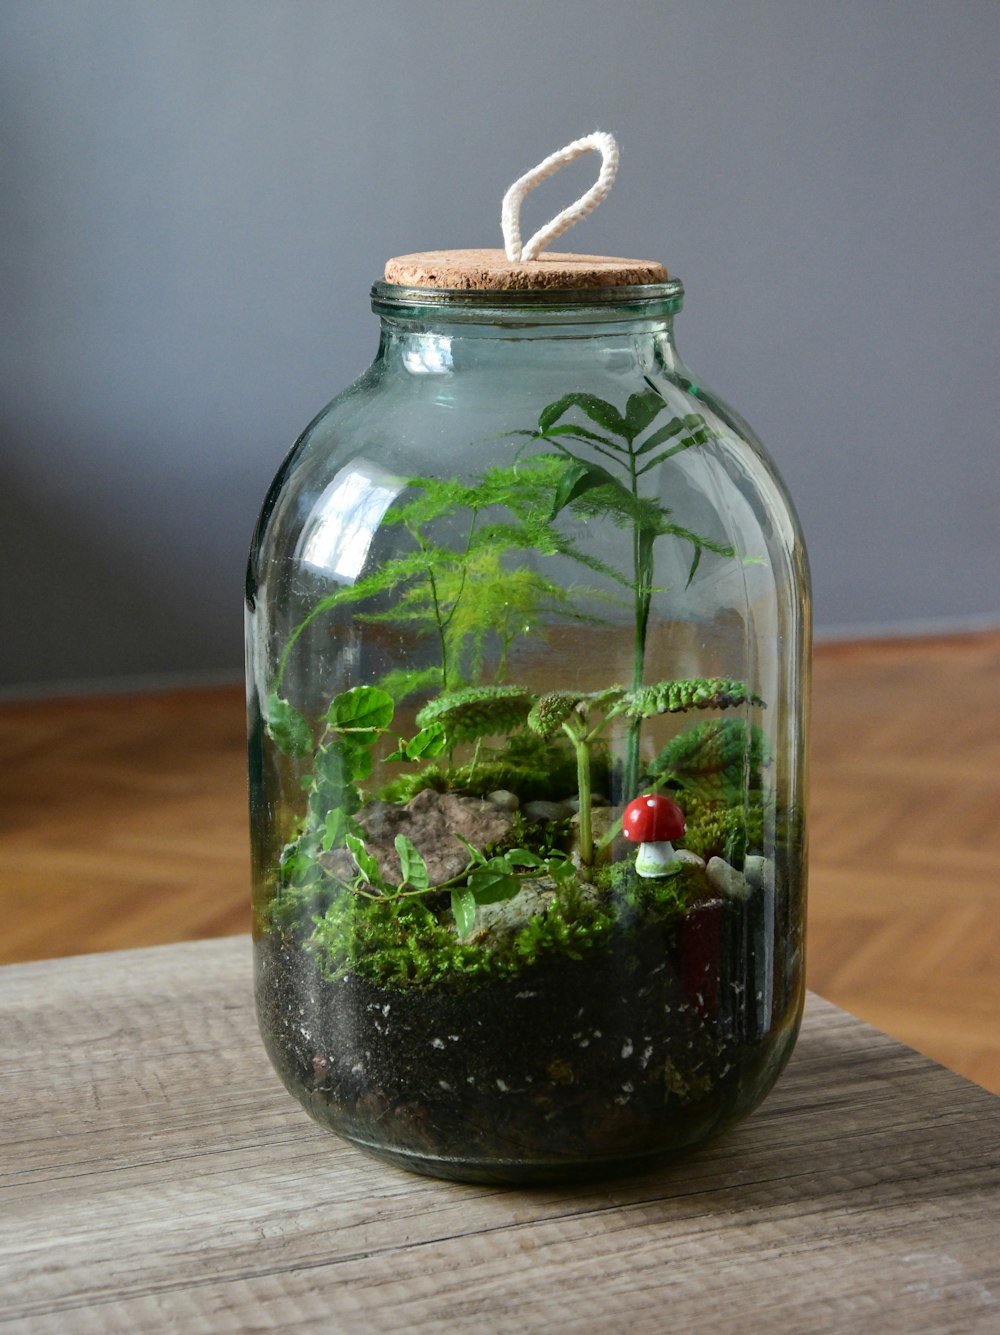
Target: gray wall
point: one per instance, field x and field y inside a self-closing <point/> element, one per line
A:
<point x="197" y="194"/>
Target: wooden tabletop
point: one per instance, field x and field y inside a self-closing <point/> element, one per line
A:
<point x="154" y="1176"/>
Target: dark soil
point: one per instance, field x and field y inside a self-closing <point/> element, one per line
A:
<point x="643" y="1048"/>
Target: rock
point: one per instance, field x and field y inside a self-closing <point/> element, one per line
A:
<point x="430" y="821"/>
<point x="726" y="879"/>
<point x="759" y="872"/>
<point x="596" y="800"/>
<point x="690" y="859"/>
<point x="506" y="801"/>
<point x="540" y="810"/>
<point x="499" y="922"/>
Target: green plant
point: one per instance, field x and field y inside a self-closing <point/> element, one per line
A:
<point x="720" y="758"/>
<point x="455" y="583"/>
<point x="466" y="596"/>
<point x="574" y="714"/>
<point x="355" y="720"/>
<point x="593" y="490"/>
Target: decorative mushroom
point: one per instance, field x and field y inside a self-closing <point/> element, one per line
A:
<point x="651" y="821"/>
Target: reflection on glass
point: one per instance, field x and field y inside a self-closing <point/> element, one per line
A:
<point x="345" y="519"/>
<point x="429" y="356"/>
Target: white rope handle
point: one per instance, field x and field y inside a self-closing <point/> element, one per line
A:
<point x="510" y="212"/>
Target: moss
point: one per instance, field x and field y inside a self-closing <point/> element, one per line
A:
<point x="526" y="766"/>
<point x="659" y="897"/>
<point x="572" y="926"/>
<point x="717" y="830"/>
<point x="396" y="944"/>
<point x="406" y="786"/>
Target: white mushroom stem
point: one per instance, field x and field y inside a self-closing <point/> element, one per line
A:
<point x="655" y="858"/>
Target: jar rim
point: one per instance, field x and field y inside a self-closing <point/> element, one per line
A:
<point x="588" y="303"/>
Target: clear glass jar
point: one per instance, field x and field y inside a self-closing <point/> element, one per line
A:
<point x="522" y="582"/>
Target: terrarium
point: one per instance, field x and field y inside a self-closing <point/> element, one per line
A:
<point x="527" y="660"/>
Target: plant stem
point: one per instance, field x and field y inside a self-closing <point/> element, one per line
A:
<point x="582" y="749"/>
<point x="440" y="629"/>
<point x="642" y="598"/>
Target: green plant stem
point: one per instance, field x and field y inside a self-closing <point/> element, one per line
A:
<point x="642" y="599"/>
<point x="581" y="745"/>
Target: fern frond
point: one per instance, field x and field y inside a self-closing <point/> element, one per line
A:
<point x="677" y="697"/>
<point x="550" y="711"/>
<point x="477" y="711"/>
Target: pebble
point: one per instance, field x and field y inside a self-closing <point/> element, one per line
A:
<point x="597" y="800"/>
<point x="541" y="810"/>
<point x="505" y="800"/>
<point x="759" y="871"/>
<point x="691" y="859"/>
<point x="727" y="880"/>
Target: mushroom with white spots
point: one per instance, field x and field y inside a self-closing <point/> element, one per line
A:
<point x="652" y="821"/>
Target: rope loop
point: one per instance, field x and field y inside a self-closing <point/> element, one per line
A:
<point x="510" y="212"/>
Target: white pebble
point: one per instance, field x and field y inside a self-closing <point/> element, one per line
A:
<point x="727" y="880"/>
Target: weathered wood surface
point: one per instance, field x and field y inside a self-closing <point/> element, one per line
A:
<point x="154" y="1176"/>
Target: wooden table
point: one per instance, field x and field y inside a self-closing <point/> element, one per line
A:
<point x="156" y="1177"/>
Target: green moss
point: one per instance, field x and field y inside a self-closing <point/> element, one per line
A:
<point x="526" y="766"/>
<point x="717" y="830"/>
<point x="396" y="944"/>
<point x="572" y="926"/>
<point x="660" y="897"/>
<point x="406" y="786"/>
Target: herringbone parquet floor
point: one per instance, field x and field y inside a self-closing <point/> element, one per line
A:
<point x="123" y="823"/>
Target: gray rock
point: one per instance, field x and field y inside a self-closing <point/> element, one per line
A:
<point x="541" y="810"/>
<point x="430" y="821"/>
<point x="506" y="801"/>
<point x="759" y="871"/>
<point x="596" y="800"/>
<point x="499" y="922"/>
<point x="691" y="859"/>
<point x="726" y="879"/>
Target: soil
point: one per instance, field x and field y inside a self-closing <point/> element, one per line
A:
<point x="644" y="1047"/>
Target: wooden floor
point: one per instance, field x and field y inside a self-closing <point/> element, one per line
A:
<point x="123" y="823"/>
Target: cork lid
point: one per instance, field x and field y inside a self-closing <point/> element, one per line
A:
<point x="492" y="271"/>
<point x="527" y="266"/>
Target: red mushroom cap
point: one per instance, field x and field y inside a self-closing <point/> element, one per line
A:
<point x="652" y="818"/>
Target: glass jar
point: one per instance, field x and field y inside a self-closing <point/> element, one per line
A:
<point x="528" y="645"/>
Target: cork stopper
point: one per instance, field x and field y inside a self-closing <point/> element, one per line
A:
<point x="492" y="271"/>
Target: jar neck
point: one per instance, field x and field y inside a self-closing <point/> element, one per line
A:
<point x="437" y="329"/>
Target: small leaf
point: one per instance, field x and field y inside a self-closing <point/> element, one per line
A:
<point x="363" y="710"/>
<point x="560" y="869"/>
<point x="640" y="411"/>
<point x="428" y="742"/>
<point x="474" y="853"/>
<point x="287" y="728"/>
<point x="580" y="477"/>
<point x="366" y="864"/>
<point x="523" y="857"/>
<point x="490" y="887"/>
<point x="463" y="907"/>
<point x="580" y="433"/>
<point x="598" y="410"/>
<point x="413" y="867"/>
<point x="673" y="428"/>
<point x="336" y="827"/>
<point x="342" y="761"/>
